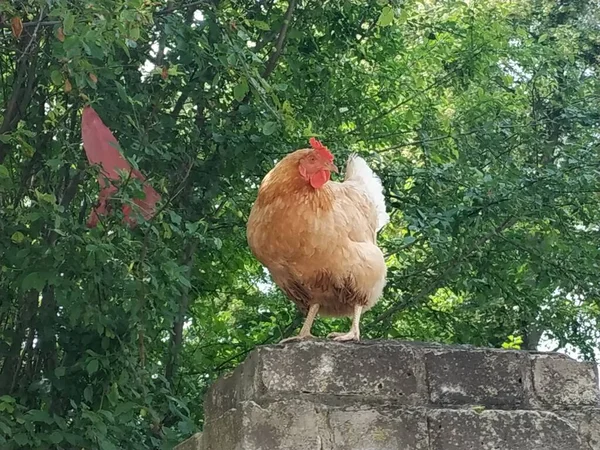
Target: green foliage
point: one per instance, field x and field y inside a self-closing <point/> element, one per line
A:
<point x="482" y="119"/>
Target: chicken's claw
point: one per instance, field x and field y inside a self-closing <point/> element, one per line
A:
<point x="344" y="337"/>
<point x="300" y="337"/>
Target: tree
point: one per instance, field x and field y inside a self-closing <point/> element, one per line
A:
<point x="481" y="118"/>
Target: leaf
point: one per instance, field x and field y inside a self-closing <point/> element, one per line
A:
<point x="5" y="429"/>
<point x="16" y="25"/>
<point x="175" y="218"/>
<point x="123" y="408"/>
<point x="60" y="372"/>
<point x="92" y="366"/>
<point x="386" y="17"/>
<point x="33" y="280"/>
<point x="134" y="33"/>
<point x="37" y="415"/>
<point x="113" y="394"/>
<point x="21" y="439"/>
<point x="56" y="437"/>
<point x="88" y="392"/>
<point x="106" y="445"/>
<point x="42" y="197"/>
<point x="261" y="25"/>
<point x="60" y="35"/>
<point x="542" y="38"/>
<point x="109" y="416"/>
<point x="240" y="90"/>
<point x="93" y="77"/>
<point x="54" y="164"/>
<point x="17" y="237"/>
<point x="4" y="172"/>
<point x="68" y="86"/>
<point x="184" y="281"/>
<point x="408" y="240"/>
<point x="7" y="399"/>
<point x="74" y="439"/>
<point x="68" y="23"/>
<point x="62" y="423"/>
<point x="269" y="128"/>
<point x="56" y="77"/>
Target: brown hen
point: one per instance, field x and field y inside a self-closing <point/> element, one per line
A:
<point x="317" y="237"/>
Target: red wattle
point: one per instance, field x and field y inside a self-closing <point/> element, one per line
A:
<point x="318" y="179"/>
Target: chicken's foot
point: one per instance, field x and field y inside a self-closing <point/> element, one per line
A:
<point x="354" y="333"/>
<point x="308" y="322"/>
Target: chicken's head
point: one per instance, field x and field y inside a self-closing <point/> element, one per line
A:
<point x="316" y="166"/>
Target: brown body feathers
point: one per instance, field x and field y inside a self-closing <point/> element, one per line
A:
<point x="320" y="244"/>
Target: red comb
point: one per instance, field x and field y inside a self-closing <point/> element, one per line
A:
<point x="321" y="149"/>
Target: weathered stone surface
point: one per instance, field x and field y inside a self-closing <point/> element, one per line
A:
<point x="193" y="443"/>
<point x="389" y="372"/>
<point x="304" y="425"/>
<point x="409" y="374"/>
<point x="282" y="425"/>
<point x="502" y="430"/>
<point x="375" y="371"/>
<point x="559" y="381"/>
<point x="588" y="422"/>
<point x="224" y="432"/>
<point x="398" y="395"/>
<point x="477" y="378"/>
<point x="229" y="390"/>
<point x="378" y="428"/>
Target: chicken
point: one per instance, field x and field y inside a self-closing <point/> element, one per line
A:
<point x="317" y="237"/>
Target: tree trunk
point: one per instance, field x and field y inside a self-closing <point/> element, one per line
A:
<point x="177" y="333"/>
<point x="12" y="361"/>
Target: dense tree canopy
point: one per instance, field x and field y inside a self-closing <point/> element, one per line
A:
<point x="481" y="116"/>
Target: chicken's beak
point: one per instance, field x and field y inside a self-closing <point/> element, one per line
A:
<point x="332" y="167"/>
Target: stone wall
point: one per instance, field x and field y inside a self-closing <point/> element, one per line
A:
<point x="392" y="395"/>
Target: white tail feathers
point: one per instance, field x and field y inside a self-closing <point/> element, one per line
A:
<point x="358" y="171"/>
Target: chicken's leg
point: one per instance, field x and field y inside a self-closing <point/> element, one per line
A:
<point x="305" y="331"/>
<point x="354" y="333"/>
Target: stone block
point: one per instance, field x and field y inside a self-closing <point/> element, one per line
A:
<point x="393" y="372"/>
<point x="501" y="430"/>
<point x="376" y="428"/>
<point x="229" y="390"/>
<point x="588" y="421"/>
<point x="563" y="382"/>
<point x="304" y="425"/>
<point x="281" y="425"/>
<point x="488" y="378"/>
<point x="396" y="395"/>
<point x="390" y="372"/>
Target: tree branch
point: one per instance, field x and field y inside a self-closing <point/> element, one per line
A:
<point x="172" y="9"/>
<point x="280" y="43"/>
<point x="35" y="23"/>
<point x="509" y="222"/>
<point x="176" y="341"/>
<point x="33" y="35"/>
<point x="23" y="88"/>
<point x="162" y="12"/>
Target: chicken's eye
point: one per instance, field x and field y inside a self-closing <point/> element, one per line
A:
<point x="312" y="158"/>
